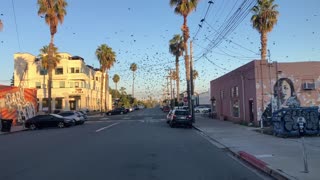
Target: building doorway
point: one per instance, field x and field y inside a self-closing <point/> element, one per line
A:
<point x="72" y="104"/>
<point x="251" y="110"/>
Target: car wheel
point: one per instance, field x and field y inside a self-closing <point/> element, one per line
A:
<point x="109" y="114"/>
<point x="171" y="125"/>
<point x="33" y="127"/>
<point x="60" y="124"/>
<point x="121" y="112"/>
<point x="197" y="111"/>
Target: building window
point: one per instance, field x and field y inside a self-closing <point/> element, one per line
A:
<point x="235" y="91"/>
<point x="96" y="78"/>
<point x="58" y="102"/>
<point x="71" y="84"/>
<point x="221" y="94"/>
<point x="59" y="70"/>
<point x="38" y="85"/>
<point x="235" y="108"/>
<point x="76" y="84"/>
<point x="71" y="70"/>
<point x="62" y="84"/>
<point x="45" y="102"/>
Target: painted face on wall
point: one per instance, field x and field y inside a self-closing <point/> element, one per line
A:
<point x="285" y="90"/>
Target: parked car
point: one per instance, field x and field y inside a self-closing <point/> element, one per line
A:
<point x="201" y="109"/>
<point x="116" y="111"/>
<point x="180" y="117"/>
<point x="83" y="114"/>
<point x="73" y="115"/>
<point x="48" y="120"/>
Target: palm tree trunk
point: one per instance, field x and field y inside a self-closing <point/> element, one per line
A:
<point x="133" y="85"/>
<point x="178" y="78"/>
<point x="264" y="40"/>
<point x="106" y="92"/>
<point x="185" y="31"/>
<point x="50" y="67"/>
<point x="101" y="91"/>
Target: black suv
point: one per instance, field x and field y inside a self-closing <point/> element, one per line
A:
<point x="116" y="111"/>
<point x="180" y="117"/>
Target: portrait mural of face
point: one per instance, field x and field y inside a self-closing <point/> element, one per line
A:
<point x="284" y="96"/>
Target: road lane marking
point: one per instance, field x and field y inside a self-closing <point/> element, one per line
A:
<point x="98" y="130"/>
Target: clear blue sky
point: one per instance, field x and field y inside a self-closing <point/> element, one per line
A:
<point x="139" y="31"/>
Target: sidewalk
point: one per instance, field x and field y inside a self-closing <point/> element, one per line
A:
<point x="282" y="158"/>
<point x="14" y="129"/>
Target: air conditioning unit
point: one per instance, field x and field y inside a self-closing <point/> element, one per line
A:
<point x="308" y="86"/>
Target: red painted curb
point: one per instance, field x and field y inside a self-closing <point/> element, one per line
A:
<point x="253" y="160"/>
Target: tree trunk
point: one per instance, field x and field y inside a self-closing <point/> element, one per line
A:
<point x="178" y="78"/>
<point x="185" y="31"/>
<point x="101" y="91"/>
<point x="133" y="85"/>
<point x="106" y="92"/>
<point x="264" y="40"/>
<point x="50" y="67"/>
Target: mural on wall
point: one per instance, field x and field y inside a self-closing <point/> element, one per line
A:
<point x="284" y="96"/>
<point x="18" y="104"/>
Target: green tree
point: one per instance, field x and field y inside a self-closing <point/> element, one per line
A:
<point x="123" y="91"/>
<point x="54" y="12"/>
<point x="44" y="57"/>
<point x="184" y="8"/>
<point x="12" y="80"/>
<point x="106" y="57"/>
<point x="263" y="20"/>
<point x="176" y="48"/>
<point x="116" y="79"/>
<point x="133" y="68"/>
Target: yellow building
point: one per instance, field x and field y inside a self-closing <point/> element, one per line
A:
<point x="75" y="85"/>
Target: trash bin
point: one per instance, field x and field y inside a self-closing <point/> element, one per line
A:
<point x="6" y="125"/>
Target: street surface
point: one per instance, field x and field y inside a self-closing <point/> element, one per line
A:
<point x="139" y="145"/>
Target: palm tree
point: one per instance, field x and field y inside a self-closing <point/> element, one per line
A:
<point x="116" y="79"/>
<point x="54" y="12"/>
<point x="176" y="48"/>
<point x="184" y="8"/>
<point x="195" y="75"/>
<point x="123" y="91"/>
<point x="133" y="68"/>
<point x="44" y="58"/>
<point x="106" y="57"/>
<point x="263" y="20"/>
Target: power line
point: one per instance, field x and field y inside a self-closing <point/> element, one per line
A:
<point x="15" y="21"/>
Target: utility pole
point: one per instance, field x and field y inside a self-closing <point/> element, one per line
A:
<point x="170" y="76"/>
<point x="191" y="83"/>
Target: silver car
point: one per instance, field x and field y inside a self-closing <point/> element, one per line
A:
<point x="73" y="115"/>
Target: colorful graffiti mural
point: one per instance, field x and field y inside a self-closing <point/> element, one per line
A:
<point x="18" y="104"/>
<point x="284" y="96"/>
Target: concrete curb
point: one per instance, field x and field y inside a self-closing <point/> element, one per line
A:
<point x="251" y="159"/>
<point x="12" y="132"/>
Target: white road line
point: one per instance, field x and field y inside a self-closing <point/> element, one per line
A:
<point x="98" y="130"/>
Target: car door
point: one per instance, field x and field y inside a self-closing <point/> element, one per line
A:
<point x="42" y="121"/>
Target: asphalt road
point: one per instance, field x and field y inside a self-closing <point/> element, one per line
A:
<point x="139" y="145"/>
